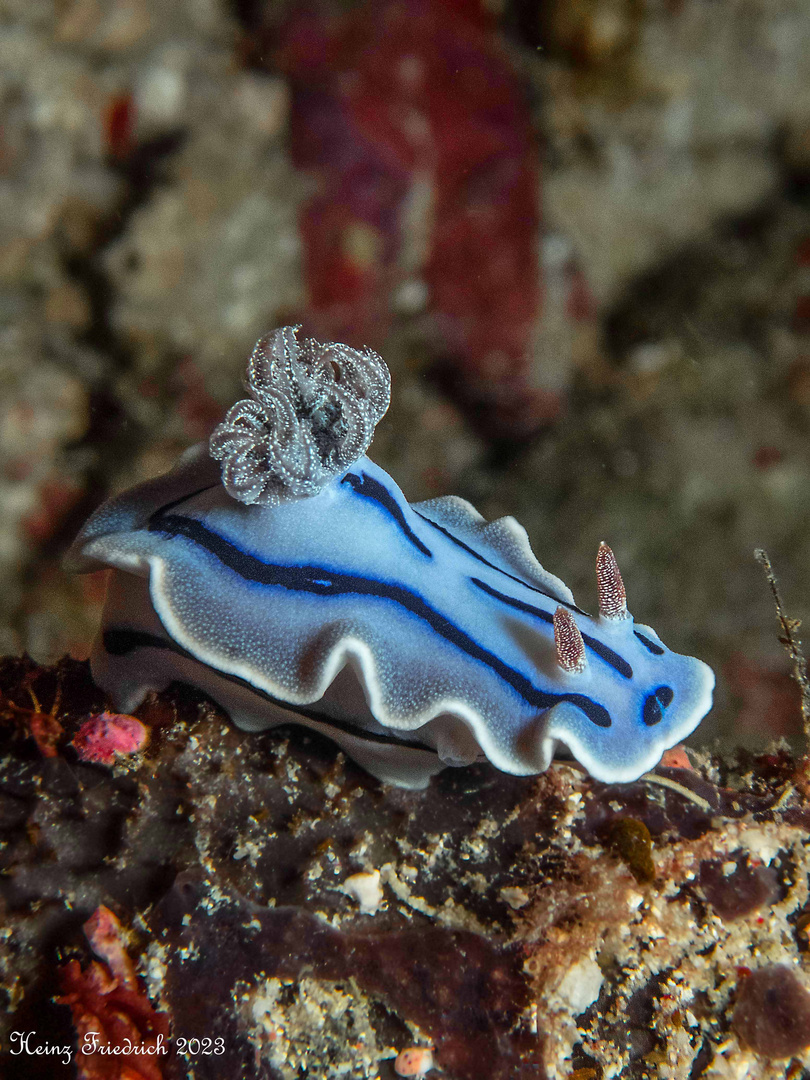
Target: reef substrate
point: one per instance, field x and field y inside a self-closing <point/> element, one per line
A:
<point x="295" y="917"/>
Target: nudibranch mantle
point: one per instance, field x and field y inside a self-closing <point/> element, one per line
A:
<point x="415" y="636"/>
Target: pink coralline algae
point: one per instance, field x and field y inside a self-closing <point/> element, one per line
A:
<point x="415" y="1061"/>
<point x="413" y="120"/>
<point x="107" y="735"/>
<point x="676" y="758"/>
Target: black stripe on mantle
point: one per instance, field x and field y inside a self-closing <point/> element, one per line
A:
<point x="322" y="582"/>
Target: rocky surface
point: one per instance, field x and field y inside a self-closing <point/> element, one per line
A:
<point x="317" y="923"/>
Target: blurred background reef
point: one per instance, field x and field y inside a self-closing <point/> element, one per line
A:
<point x="577" y="230"/>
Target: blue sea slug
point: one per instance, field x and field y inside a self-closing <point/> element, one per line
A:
<point x="283" y="573"/>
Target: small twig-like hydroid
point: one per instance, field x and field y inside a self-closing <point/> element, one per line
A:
<point x="791" y="643"/>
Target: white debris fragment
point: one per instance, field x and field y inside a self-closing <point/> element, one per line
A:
<point x="581" y="985"/>
<point x="514" y="896"/>
<point x="760" y="843"/>
<point x="365" y="888"/>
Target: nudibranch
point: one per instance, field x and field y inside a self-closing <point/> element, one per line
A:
<point x="285" y="575"/>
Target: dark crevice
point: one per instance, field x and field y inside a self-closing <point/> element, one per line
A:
<point x="144" y="170"/>
<point x="662" y="301"/>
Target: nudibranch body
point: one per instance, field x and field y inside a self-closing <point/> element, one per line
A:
<point x="295" y="583"/>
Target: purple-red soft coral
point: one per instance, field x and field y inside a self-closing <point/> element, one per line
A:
<point x="412" y="118"/>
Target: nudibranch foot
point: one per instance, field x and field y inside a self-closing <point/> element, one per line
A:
<point x="415" y="636"/>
